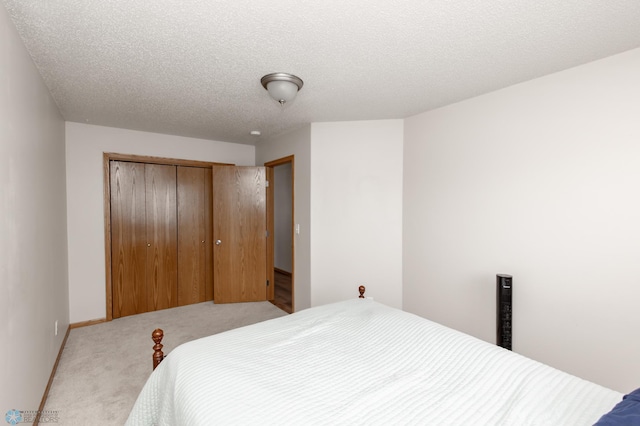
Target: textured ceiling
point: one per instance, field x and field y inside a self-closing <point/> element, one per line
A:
<point x="193" y="68"/>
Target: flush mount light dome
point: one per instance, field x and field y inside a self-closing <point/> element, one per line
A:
<point x="281" y="86"/>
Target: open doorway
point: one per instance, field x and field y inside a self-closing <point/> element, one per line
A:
<point x="283" y="232"/>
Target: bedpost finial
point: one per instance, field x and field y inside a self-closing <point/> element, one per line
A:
<point x="157" y="335"/>
<point x="361" y="289"/>
<point x="158" y="356"/>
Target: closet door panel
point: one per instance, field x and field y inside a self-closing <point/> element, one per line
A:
<point x="208" y="215"/>
<point x="191" y="235"/>
<point x="162" y="239"/>
<point x="128" y="238"/>
<point x="240" y="224"/>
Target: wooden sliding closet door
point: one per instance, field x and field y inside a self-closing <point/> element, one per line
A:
<point x="194" y="283"/>
<point x="143" y="237"/>
<point x="128" y="239"/>
<point x="162" y="259"/>
<point x="161" y="235"/>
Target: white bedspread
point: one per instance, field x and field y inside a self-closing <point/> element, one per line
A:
<point x="360" y="362"/>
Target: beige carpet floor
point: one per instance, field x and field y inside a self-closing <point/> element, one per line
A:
<point x="103" y="367"/>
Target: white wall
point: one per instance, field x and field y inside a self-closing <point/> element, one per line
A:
<point x="33" y="234"/>
<point x="85" y="147"/>
<point x="540" y="180"/>
<point x="283" y="219"/>
<point x="298" y="144"/>
<point x="356" y="210"/>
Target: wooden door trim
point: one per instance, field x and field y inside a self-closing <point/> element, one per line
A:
<point x="106" y="169"/>
<point x="270" y="234"/>
<point x="161" y="160"/>
<point x="271" y="164"/>
<point x="281" y="161"/>
<point x="106" y="158"/>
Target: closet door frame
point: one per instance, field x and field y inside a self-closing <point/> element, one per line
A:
<point x="107" y="157"/>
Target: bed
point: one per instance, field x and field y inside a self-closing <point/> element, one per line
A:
<point x="360" y="362"/>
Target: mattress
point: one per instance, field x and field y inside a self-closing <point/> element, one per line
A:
<point x="360" y="362"/>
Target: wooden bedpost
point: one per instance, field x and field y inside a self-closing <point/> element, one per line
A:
<point x="157" y="336"/>
<point x="361" y="289"/>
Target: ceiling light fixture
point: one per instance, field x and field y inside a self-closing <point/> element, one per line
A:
<point x="281" y="86"/>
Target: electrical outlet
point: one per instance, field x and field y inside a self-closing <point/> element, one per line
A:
<point x="56" y="327"/>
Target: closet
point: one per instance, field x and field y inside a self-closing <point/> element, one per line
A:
<point x="160" y="230"/>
